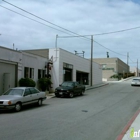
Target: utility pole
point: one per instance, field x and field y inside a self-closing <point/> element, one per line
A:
<point x="137" y="69"/>
<point x="127" y="63"/>
<point x="56" y="41"/>
<point x="127" y="58"/>
<point x="91" y="60"/>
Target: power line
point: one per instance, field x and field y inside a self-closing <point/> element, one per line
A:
<point x="62" y="27"/>
<point x="33" y="19"/>
<point x="108" y="48"/>
<point x="44" y="20"/>
<point x="113" y="32"/>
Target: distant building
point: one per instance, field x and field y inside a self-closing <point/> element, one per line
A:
<point x="135" y="70"/>
<point x="111" y="66"/>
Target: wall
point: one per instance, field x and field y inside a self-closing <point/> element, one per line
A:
<point x="10" y="62"/>
<point x="79" y="64"/>
<point x="33" y="61"/>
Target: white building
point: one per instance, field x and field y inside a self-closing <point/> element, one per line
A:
<point x="65" y="66"/>
<point x="15" y="65"/>
<point x="68" y="66"/>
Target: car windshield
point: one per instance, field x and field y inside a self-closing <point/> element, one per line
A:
<point x="68" y="84"/>
<point x="136" y="80"/>
<point x="14" y="92"/>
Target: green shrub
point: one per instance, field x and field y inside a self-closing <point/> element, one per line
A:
<point x="44" y="83"/>
<point x="26" y="82"/>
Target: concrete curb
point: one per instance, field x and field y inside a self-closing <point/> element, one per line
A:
<point x="126" y="128"/>
<point x="97" y="86"/>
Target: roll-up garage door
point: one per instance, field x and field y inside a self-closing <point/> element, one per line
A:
<point x="8" y="76"/>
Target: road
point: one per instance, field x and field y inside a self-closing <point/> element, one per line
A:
<point x="100" y="114"/>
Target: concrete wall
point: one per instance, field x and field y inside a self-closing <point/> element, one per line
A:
<point x="33" y="61"/>
<point x="113" y="66"/>
<point x="79" y="64"/>
<point x="13" y="63"/>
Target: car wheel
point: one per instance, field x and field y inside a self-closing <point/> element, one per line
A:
<point x="18" y="107"/>
<point x="82" y="92"/>
<point x="71" y="95"/>
<point x="40" y="102"/>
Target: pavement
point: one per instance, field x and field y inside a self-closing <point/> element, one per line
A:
<point x="132" y="130"/>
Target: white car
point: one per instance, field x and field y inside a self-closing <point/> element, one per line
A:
<point x="135" y="81"/>
<point x="20" y="96"/>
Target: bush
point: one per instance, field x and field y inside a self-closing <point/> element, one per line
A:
<point x="44" y="83"/>
<point x="27" y="82"/>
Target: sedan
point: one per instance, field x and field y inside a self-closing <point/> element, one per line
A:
<point x="135" y="81"/>
<point x="17" y="97"/>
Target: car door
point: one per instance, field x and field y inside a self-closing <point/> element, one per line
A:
<point x="27" y="97"/>
<point x="76" y="87"/>
<point x="35" y="94"/>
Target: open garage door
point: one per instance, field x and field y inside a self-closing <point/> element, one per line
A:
<point x="82" y="77"/>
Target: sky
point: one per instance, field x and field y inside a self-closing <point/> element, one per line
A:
<point x="82" y="17"/>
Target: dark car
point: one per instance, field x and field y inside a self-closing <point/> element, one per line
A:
<point x="70" y="89"/>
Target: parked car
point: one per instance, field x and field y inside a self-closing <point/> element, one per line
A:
<point x="20" y="96"/>
<point x="70" y="89"/>
<point x="135" y="81"/>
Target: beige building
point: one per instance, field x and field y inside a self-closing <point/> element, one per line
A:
<point x="112" y="66"/>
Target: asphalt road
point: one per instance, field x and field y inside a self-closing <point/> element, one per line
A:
<point x="100" y="114"/>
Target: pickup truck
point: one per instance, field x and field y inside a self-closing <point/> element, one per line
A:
<point x="70" y="89"/>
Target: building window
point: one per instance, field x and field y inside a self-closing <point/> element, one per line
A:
<point x="26" y="72"/>
<point x="32" y="73"/>
<point x="44" y="73"/>
<point x="39" y="74"/>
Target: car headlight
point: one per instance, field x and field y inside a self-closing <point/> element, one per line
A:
<point x="9" y="102"/>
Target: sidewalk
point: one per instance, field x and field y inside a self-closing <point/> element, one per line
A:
<point x="51" y="95"/>
<point x="132" y="129"/>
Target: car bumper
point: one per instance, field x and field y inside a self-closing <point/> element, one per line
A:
<point x="7" y="107"/>
<point x="61" y="93"/>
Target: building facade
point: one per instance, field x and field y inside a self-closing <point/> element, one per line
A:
<point x="63" y="66"/>
<point x="68" y="66"/>
<point x="15" y="65"/>
<point x="112" y="66"/>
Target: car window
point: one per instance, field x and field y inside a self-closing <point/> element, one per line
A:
<point x="34" y="91"/>
<point x="76" y="83"/>
<point x="14" y="92"/>
<point x="68" y="84"/>
<point x="27" y="92"/>
<point x="136" y="80"/>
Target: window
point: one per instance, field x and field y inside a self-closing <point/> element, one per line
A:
<point x="44" y="72"/>
<point x="32" y="73"/>
<point x="26" y="72"/>
<point x="39" y="74"/>
<point x="34" y="91"/>
<point x="27" y="92"/>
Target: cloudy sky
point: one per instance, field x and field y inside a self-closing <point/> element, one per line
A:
<point x="83" y="17"/>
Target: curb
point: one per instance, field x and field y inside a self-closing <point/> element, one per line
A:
<point x="126" y="128"/>
<point x="97" y="86"/>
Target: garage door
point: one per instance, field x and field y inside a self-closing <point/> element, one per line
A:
<point x="8" y="76"/>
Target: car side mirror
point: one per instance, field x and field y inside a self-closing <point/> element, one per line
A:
<point x="60" y="85"/>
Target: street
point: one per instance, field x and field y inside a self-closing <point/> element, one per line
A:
<point x="100" y="114"/>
